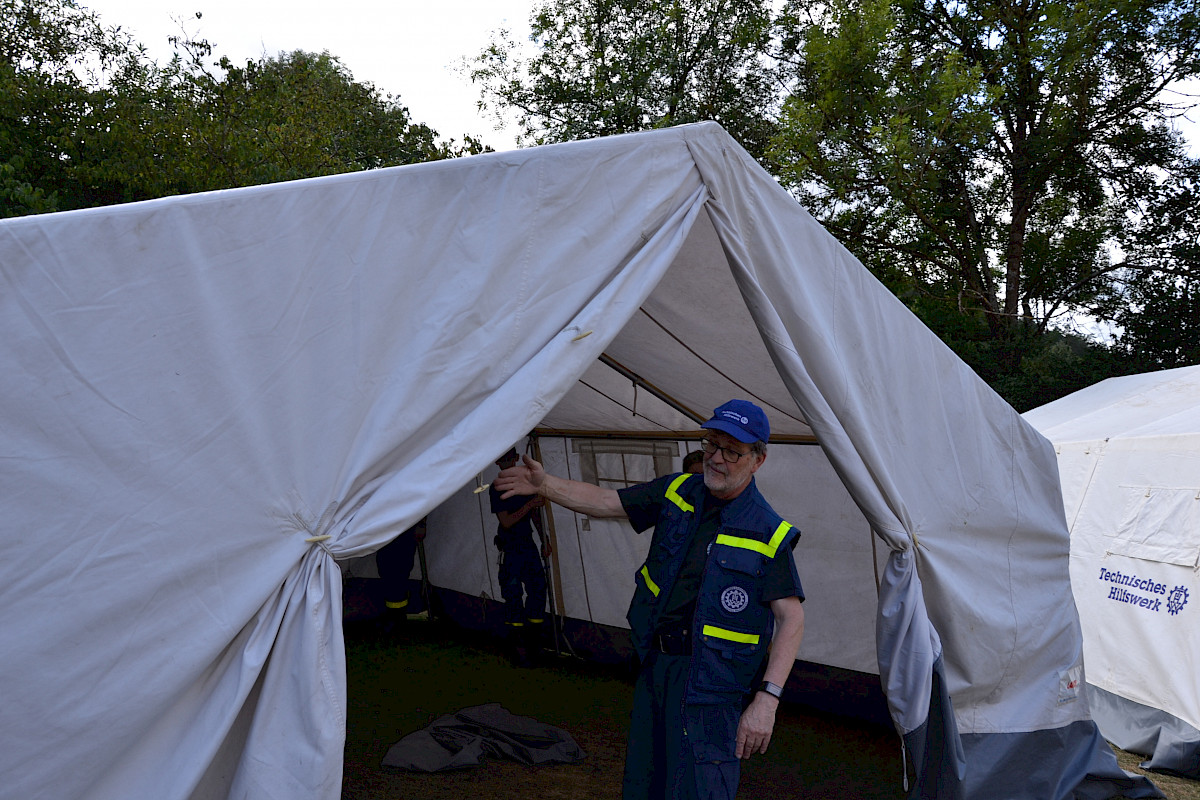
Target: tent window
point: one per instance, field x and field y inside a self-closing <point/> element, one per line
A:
<point x="616" y="464"/>
<point x="1159" y="524"/>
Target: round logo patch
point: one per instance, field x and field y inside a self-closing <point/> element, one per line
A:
<point x="734" y="599"/>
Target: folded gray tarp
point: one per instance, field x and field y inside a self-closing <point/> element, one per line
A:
<point x="464" y="738"/>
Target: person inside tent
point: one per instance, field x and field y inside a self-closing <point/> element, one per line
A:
<point x="694" y="462"/>
<point x="395" y="563"/>
<point x="522" y="572"/>
<point x="718" y="586"/>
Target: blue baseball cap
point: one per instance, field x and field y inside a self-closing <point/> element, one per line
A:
<point x="742" y="420"/>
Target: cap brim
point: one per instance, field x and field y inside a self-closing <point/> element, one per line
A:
<point x="733" y="430"/>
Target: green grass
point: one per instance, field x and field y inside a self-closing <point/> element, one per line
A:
<point x="400" y="684"/>
<point x="1175" y="788"/>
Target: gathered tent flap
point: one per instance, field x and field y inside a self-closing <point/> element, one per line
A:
<point x="1129" y="456"/>
<point x="211" y="400"/>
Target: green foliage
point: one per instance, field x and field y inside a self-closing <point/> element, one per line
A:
<point x="615" y="66"/>
<point x="1047" y="367"/>
<point x="989" y="155"/>
<point x="50" y="51"/>
<point x="294" y="116"/>
<point x="1005" y="167"/>
<point x="1159" y="309"/>
<point x="86" y="119"/>
<point x="1162" y="326"/>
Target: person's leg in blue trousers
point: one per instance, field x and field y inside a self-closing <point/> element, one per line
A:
<point x="673" y="751"/>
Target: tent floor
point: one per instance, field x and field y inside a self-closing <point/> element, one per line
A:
<point x="400" y="680"/>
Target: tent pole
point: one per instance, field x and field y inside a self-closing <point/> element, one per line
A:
<point x="426" y="593"/>
<point x="651" y="436"/>
<point x="638" y="380"/>
<point x="555" y="584"/>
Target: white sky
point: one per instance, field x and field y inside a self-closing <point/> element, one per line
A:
<point x="408" y="48"/>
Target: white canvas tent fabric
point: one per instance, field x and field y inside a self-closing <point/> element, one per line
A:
<point x="211" y="400"/>
<point x="1129" y="455"/>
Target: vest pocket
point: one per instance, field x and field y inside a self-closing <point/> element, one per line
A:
<point x="726" y="660"/>
<point x="741" y="560"/>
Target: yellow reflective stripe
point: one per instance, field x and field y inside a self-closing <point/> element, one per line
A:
<point x="766" y="548"/>
<point x="674" y="497"/>
<point x="394" y="604"/>
<point x="733" y="636"/>
<point x="650" y="584"/>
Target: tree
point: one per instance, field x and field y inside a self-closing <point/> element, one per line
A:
<point x="1159" y="309"/>
<point x="984" y="157"/>
<point x="50" y="53"/>
<point x="616" y="66"/>
<point x="86" y="119"/>
<point x="188" y="128"/>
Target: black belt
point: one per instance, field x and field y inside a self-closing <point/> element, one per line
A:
<point x="677" y="642"/>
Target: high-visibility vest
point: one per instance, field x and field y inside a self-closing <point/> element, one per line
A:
<point x="732" y="625"/>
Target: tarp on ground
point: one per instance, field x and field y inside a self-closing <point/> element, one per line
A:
<point x="468" y="736"/>
<point x="211" y="400"/>
<point x="1129" y="454"/>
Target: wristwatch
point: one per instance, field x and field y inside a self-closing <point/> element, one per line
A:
<point x="773" y="689"/>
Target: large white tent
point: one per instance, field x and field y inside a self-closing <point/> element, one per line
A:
<point x="210" y="401"/>
<point x="1129" y="455"/>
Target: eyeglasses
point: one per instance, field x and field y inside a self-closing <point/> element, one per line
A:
<point x="710" y="447"/>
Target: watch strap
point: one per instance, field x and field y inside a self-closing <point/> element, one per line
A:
<point x="773" y="689"/>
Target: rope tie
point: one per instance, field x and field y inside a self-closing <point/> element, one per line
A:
<point x="318" y="533"/>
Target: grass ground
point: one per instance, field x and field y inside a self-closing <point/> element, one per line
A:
<point x="1175" y="788"/>
<point x="399" y="683"/>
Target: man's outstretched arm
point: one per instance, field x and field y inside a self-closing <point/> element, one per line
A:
<point x="528" y="477"/>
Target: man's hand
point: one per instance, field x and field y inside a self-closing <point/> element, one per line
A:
<point x="529" y="478"/>
<point x="524" y="478"/>
<point x="756" y="725"/>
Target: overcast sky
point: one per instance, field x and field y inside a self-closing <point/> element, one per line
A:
<point x="408" y="48"/>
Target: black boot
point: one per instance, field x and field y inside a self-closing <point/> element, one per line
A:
<point x="516" y="645"/>
<point x="534" y="640"/>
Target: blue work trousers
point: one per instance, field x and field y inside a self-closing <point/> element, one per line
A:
<point x="674" y="750"/>
<point x="523" y="584"/>
<point x="395" y="561"/>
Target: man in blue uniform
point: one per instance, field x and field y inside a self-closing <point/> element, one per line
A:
<point x="717" y="596"/>
<point x="522" y="573"/>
